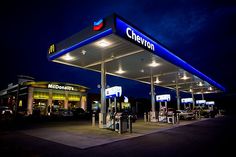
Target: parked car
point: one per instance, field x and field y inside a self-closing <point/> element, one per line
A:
<point x="65" y="113"/>
<point x="79" y="112"/>
<point x="57" y="113"/>
<point x="5" y="113"/>
<point x="186" y="115"/>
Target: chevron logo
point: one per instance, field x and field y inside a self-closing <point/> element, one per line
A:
<point x="98" y="25"/>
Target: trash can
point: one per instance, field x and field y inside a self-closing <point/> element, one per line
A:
<point x="121" y="123"/>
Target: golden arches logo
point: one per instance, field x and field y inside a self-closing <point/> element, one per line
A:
<point x="52" y="49"/>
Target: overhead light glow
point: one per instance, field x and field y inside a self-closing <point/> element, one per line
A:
<point x="210" y="88"/>
<point x="157" y="80"/>
<point x="83" y="52"/>
<point x="190" y="90"/>
<point x="142" y="70"/>
<point x="67" y="57"/>
<point x="120" y="71"/>
<point x="103" y="43"/>
<point x="154" y="64"/>
<point x="200" y="84"/>
<point x="185" y="77"/>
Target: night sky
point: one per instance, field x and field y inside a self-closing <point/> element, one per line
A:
<point x="203" y="33"/>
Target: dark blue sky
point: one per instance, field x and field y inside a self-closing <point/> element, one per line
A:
<point x="200" y="32"/>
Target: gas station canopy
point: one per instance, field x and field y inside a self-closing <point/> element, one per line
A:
<point x="130" y="53"/>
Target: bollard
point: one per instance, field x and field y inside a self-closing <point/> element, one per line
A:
<point x="173" y="119"/>
<point x="145" y="117"/>
<point x="177" y="118"/>
<point x="130" y="124"/>
<point x="120" y="125"/>
<point x="93" y="120"/>
<point x="113" y="123"/>
<point x="149" y="118"/>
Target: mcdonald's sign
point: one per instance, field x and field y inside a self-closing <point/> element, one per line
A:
<point x="52" y="49"/>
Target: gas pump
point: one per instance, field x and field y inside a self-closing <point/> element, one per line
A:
<point x="187" y="103"/>
<point x="200" y="103"/>
<point x="210" y="105"/>
<point x="112" y="94"/>
<point x="116" y="121"/>
<point x="163" y="99"/>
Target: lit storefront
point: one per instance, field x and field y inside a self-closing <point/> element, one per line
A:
<point x="44" y="96"/>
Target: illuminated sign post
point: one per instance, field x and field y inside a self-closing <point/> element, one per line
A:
<point x="163" y="98"/>
<point x="200" y="102"/>
<point x="187" y="100"/>
<point x="115" y="91"/>
<point x="210" y="103"/>
<point x="162" y="109"/>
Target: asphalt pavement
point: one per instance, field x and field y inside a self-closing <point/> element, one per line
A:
<point x="211" y="137"/>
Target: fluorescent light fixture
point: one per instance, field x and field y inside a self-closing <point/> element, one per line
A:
<point x="200" y="84"/>
<point x="157" y="80"/>
<point x="185" y="77"/>
<point x="154" y="64"/>
<point x="120" y="71"/>
<point x="210" y="88"/>
<point x="67" y="57"/>
<point x="83" y="52"/>
<point x="103" y="43"/>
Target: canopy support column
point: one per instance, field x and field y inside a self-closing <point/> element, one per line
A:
<point x="102" y="114"/>
<point x="202" y="96"/>
<point x="193" y="100"/>
<point x="177" y="97"/>
<point x="153" y="113"/>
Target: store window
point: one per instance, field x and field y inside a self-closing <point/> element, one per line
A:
<point x="40" y="107"/>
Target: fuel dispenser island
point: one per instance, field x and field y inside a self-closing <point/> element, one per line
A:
<point x="163" y="99"/>
<point x="116" y="120"/>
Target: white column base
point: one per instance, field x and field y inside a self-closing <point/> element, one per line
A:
<point x="153" y="117"/>
<point x="102" y="120"/>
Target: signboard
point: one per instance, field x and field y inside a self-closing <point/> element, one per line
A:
<point x="115" y="91"/>
<point x="56" y="86"/>
<point x="186" y="100"/>
<point x="210" y="103"/>
<point x="163" y="98"/>
<point x="200" y="101"/>
<point x="132" y="34"/>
